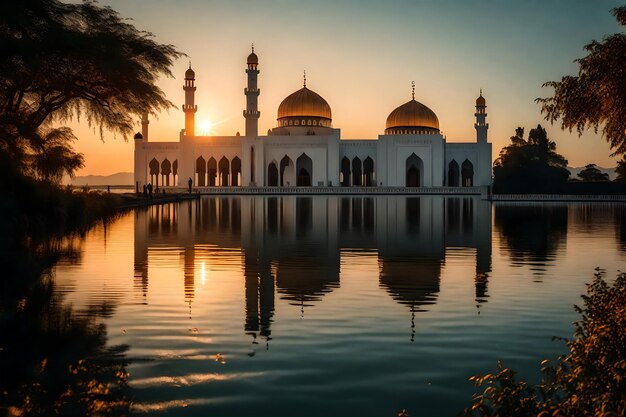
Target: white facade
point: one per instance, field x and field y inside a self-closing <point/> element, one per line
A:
<point x="305" y="150"/>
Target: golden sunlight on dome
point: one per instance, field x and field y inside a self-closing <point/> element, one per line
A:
<point x="304" y="105"/>
<point x="412" y="118"/>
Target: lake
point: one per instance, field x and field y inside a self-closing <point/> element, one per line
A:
<point x="335" y="306"/>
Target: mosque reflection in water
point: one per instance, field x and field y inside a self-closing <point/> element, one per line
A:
<point x="291" y="246"/>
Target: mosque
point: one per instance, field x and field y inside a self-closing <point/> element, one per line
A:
<point x="304" y="149"/>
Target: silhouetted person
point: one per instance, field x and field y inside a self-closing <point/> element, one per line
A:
<point x="189" y="183"/>
<point x="150" y="190"/>
<point x="145" y="190"/>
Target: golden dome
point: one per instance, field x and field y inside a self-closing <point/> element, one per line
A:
<point x="412" y="114"/>
<point x="304" y="103"/>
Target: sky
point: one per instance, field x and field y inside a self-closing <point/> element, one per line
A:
<point x="361" y="56"/>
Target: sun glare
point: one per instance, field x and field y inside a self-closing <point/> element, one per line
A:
<point x="205" y="127"/>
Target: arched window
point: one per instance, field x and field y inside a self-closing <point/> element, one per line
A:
<point x="212" y="170"/>
<point x="235" y="168"/>
<point x="356" y="171"/>
<point x="166" y="170"/>
<point x="453" y="174"/>
<point x="413" y="171"/>
<point x="304" y="170"/>
<point x="345" y="171"/>
<point x="154" y="171"/>
<point x="368" y="171"/>
<point x="467" y="174"/>
<point x="272" y="175"/>
<point x="223" y="170"/>
<point x="200" y="171"/>
<point x="286" y="171"/>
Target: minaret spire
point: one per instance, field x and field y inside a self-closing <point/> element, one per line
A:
<point x="304" y="78"/>
<point x="413" y="89"/>
<point x="189" y="107"/>
<point x="481" y="125"/>
<point x="144" y="125"/>
<point x="252" y="113"/>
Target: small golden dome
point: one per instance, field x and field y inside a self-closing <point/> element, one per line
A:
<point x="304" y="103"/>
<point x="253" y="59"/>
<point x="480" y="101"/>
<point x="412" y="114"/>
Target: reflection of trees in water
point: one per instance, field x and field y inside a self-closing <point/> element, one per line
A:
<point x="588" y="216"/>
<point x="620" y="227"/>
<point x="413" y="282"/>
<point x="54" y="360"/>
<point x="533" y="233"/>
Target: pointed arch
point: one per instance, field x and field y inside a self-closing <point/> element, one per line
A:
<point x="200" y="171"/>
<point x="223" y="171"/>
<point x="453" y="174"/>
<point x="304" y="171"/>
<point x="272" y="174"/>
<point x="357" y="171"/>
<point x="235" y="171"/>
<point x="287" y="171"/>
<point x="467" y="174"/>
<point x="252" y="174"/>
<point x="154" y="170"/>
<point x="414" y="169"/>
<point x="212" y="170"/>
<point x="368" y="171"/>
<point x="174" y="172"/>
<point x="166" y="170"/>
<point x="345" y="171"/>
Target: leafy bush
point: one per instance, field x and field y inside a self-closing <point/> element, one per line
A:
<point x="589" y="381"/>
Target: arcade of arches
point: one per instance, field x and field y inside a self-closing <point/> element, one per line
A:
<point x="286" y="172"/>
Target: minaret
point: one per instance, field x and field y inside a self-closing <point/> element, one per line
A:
<point x="144" y="126"/>
<point x="189" y="107"/>
<point x="252" y="92"/>
<point x="481" y="115"/>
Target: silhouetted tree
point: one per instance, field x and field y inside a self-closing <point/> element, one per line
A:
<point x="592" y="173"/>
<point x="72" y="60"/>
<point x="620" y="170"/>
<point x="597" y="96"/>
<point x="531" y="165"/>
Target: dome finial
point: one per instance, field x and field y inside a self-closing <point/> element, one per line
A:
<point x="413" y="89"/>
<point x="481" y="92"/>
<point x="190" y="64"/>
<point x="304" y="78"/>
<point x="252" y="47"/>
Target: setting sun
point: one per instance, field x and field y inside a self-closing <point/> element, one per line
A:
<point x="205" y="127"/>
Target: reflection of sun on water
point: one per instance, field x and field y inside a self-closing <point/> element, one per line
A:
<point x="205" y="127"/>
<point x="203" y="273"/>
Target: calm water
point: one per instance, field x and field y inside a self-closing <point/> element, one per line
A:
<point x="337" y="306"/>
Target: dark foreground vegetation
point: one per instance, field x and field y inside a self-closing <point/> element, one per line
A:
<point x="590" y="380"/>
<point x="54" y="360"/>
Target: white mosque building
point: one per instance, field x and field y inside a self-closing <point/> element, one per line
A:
<point x="304" y="149"/>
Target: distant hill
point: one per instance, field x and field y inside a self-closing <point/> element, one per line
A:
<point x="119" y="178"/>
<point x="575" y="170"/>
